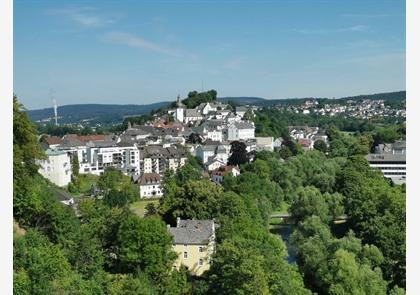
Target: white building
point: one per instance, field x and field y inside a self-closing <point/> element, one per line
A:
<point x="150" y="186"/>
<point x="265" y="143"/>
<point x="241" y="131"/>
<point x="391" y="165"/>
<point x="57" y="167"/>
<point x="240" y="111"/>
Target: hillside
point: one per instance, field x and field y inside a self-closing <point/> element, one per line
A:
<point x="94" y="113"/>
<point x="115" y="113"/>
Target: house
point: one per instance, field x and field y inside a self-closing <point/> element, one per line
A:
<point x="194" y="241"/>
<point x="150" y="186"/>
<point x="240" y="111"/>
<point x="217" y="175"/>
<point x="214" y="164"/>
<point x="242" y="130"/>
<point x="306" y="144"/>
<point x="51" y="142"/>
<point x="278" y="142"/>
<point x="205" y="107"/>
<point x="191" y="115"/>
<point x="396" y="148"/>
<point x="265" y="143"/>
<point x="57" y="167"/>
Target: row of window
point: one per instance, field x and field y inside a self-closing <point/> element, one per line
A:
<point x="391" y="168"/>
<point x="200" y="261"/>
<point x="394" y="173"/>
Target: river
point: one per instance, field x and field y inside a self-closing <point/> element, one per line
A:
<point x="285" y="230"/>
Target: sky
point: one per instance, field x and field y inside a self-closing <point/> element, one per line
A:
<point x="140" y="52"/>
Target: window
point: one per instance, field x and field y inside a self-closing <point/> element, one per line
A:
<point x="185" y="255"/>
<point x="200" y="262"/>
<point x="200" y="249"/>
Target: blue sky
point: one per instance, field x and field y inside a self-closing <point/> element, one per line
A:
<point x="147" y="51"/>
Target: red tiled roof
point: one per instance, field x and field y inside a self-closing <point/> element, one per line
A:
<point x="223" y="170"/>
<point x="53" y="140"/>
<point x="304" y="142"/>
<point x="85" y="138"/>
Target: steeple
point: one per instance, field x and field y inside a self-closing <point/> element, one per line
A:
<point x="179" y="104"/>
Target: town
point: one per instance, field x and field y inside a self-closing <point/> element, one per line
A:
<point x="212" y="132"/>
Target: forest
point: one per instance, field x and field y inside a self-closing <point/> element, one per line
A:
<point x="104" y="248"/>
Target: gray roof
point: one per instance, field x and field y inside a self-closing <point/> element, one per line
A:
<point x="241" y="109"/>
<point x="244" y="125"/>
<point x="192" y="113"/>
<point x="101" y="144"/>
<point x="134" y="132"/>
<point x="385" y="157"/>
<point x="197" y="232"/>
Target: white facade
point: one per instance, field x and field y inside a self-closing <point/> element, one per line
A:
<point x="57" y="168"/>
<point x="149" y="191"/>
<point x="179" y="114"/>
<point x="214" y="135"/>
<point x="238" y="131"/>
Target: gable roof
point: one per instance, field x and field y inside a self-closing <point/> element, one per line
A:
<point x="52" y="140"/>
<point x="149" y="178"/>
<point x="196" y="232"/>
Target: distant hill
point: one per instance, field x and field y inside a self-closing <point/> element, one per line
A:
<point x="115" y="113"/>
<point x="95" y="113"/>
<point x="389" y="96"/>
<point x="242" y="99"/>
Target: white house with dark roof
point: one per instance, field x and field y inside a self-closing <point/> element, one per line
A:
<point x="194" y="241"/>
<point x="150" y="186"/>
<point x="241" y="110"/>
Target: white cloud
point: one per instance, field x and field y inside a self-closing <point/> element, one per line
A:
<point x="84" y="16"/>
<point x="138" y="42"/>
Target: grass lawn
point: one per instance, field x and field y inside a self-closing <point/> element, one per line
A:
<point x="86" y="181"/>
<point x="139" y="207"/>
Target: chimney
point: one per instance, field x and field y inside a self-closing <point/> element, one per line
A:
<point x="178" y="221"/>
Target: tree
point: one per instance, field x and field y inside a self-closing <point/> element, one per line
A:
<point x="349" y="277"/>
<point x="194" y="138"/>
<point x="195" y="199"/>
<point x="239" y="154"/>
<point x="321" y="146"/>
<point x="150" y="209"/>
<point x="309" y="201"/>
<point x="285" y="152"/>
<point x="145" y="245"/>
<point x="75" y="166"/>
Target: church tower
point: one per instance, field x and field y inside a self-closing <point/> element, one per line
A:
<point x="180" y="108"/>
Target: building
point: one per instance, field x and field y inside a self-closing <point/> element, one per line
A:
<point x="240" y="111"/>
<point x="157" y="159"/>
<point x="191" y="115"/>
<point x="194" y="241"/>
<point x="265" y="143"/>
<point x="392" y="166"/>
<point x="396" y="148"/>
<point x="150" y="186"/>
<point x="217" y="175"/>
<point x="56" y="168"/>
<point x="242" y="130"/>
